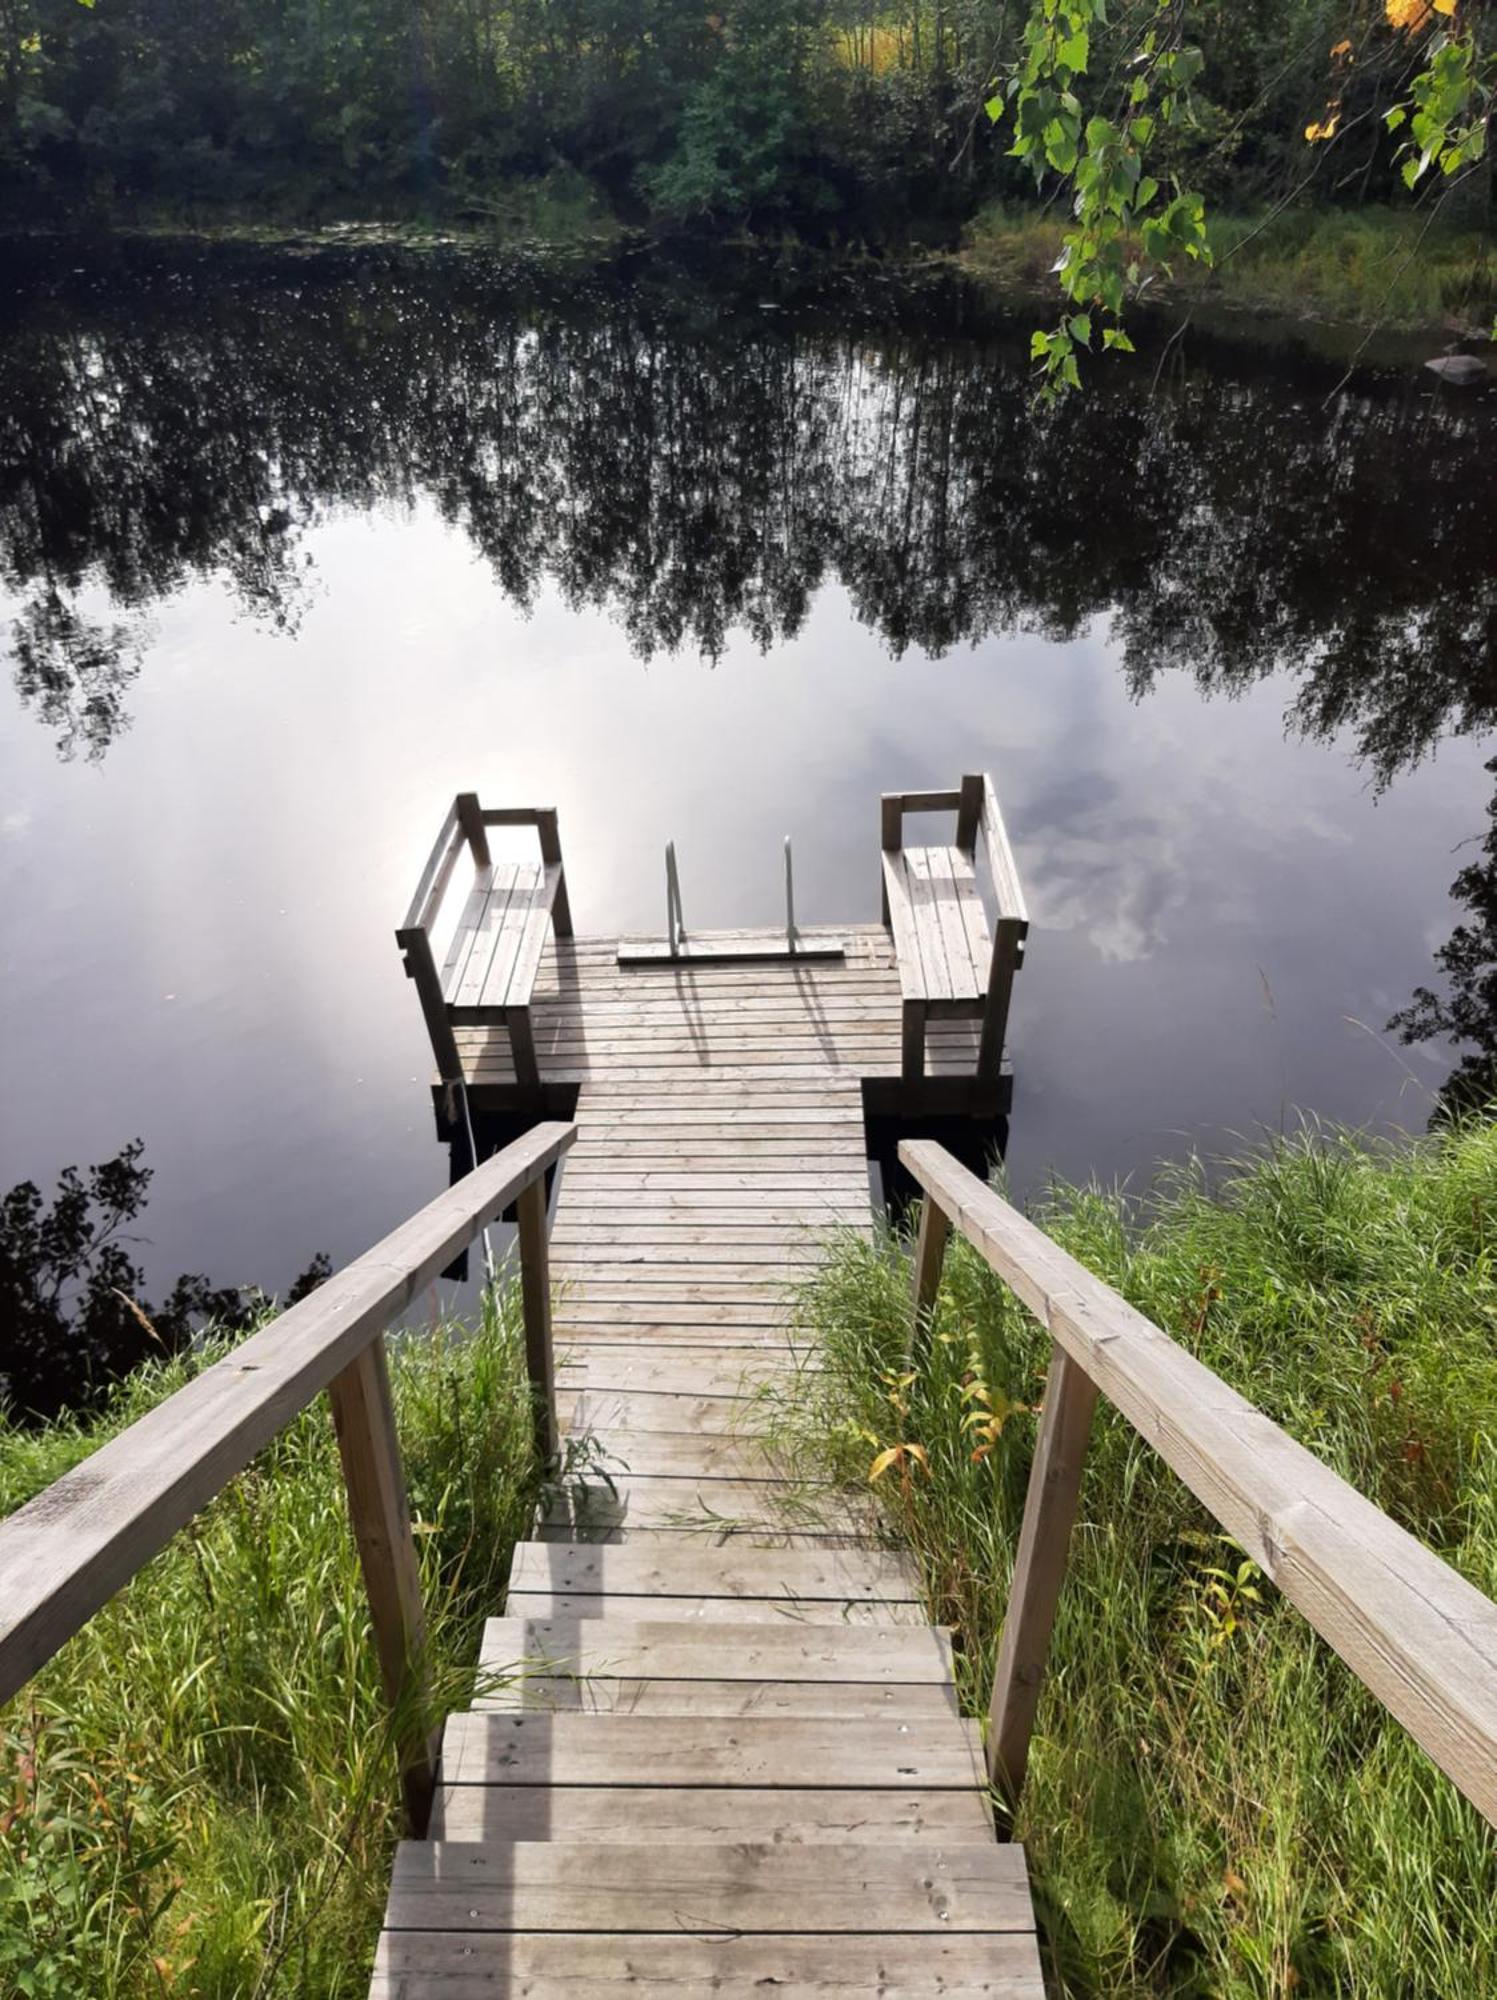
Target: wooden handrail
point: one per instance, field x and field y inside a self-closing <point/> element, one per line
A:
<point x="1421" y="1637"/>
<point x="68" y="1550"/>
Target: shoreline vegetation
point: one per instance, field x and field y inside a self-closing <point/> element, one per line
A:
<point x="1379" y="273"/>
<point x="199" y="1794"/>
<point x="1215" y="1805"/>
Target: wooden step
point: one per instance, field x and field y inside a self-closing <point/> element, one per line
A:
<point x="622" y="1645"/>
<point x="736" y="1887"/>
<point x="857" y="1701"/>
<point x="670" y="1815"/>
<point x="569" y="1966"/>
<point x="641" y="1500"/>
<point x="800" y="1576"/>
<point x="709" y="1533"/>
<point x="684" y="1455"/>
<point x="925" y="1753"/>
<point x="711" y="1610"/>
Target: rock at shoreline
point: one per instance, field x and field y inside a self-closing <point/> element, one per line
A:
<point x="1463" y="370"/>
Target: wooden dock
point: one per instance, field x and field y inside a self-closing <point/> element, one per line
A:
<point x="705" y="1668"/>
<point x="716" y="1746"/>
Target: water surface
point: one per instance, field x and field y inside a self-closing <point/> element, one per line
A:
<point x="292" y="548"/>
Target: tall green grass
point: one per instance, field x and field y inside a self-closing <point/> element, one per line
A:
<point x="199" y="1795"/>
<point x="1366" y="266"/>
<point x="1215" y="1805"/>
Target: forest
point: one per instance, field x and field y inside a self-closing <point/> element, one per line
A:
<point x="843" y="120"/>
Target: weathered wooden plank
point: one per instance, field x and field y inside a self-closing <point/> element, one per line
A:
<point x="849" y="1185"/>
<point x="934" y="980"/>
<point x="478" y="933"/>
<point x="715" y="1534"/>
<point x="677" y="1455"/>
<point x="727" y="1887"/>
<point x="1422" y="1638"/>
<point x="380" y="1516"/>
<point x="629" y="1646"/>
<point x="676" y="1372"/>
<point x="522" y="909"/>
<point x="640" y="1500"/>
<point x="593" y="1408"/>
<point x="935" y="1754"/>
<point x="676" y="1816"/>
<point x="663" y="1313"/>
<point x="968" y="976"/>
<point x="708" y="1610"/>
<point x="693" y="1700"/>
<point x="878" y="1577"/>
<point x="1039" y="1569"/>
<point x="996" y="1966"/>
<point x="68" y="1550"/>
<point x="436" y="874"/>
<point x="1005" y="873"/>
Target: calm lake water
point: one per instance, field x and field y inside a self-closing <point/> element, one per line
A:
<point x="294" y="547"/>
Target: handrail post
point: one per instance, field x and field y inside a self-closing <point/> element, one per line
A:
<point x="379" y="1512"/>
<point x="930" y="1256"/>
<point x="535" y="1296"/>
<point x="789" y="900"/>
<point x="1039" y="1570"/>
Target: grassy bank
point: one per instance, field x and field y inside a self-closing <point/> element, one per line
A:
<point x="1366" y="267"/>
<point x="1215" y="1805"/>
<point x="198" y="1796"/>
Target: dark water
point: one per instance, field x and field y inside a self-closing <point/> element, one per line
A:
<point x="292" y="548"/>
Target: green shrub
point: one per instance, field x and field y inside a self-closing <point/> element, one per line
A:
<point x="199" y="1795"/>
<point x="1215" y="1805"/>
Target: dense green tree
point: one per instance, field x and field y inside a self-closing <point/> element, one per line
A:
<point x="853" y="116"/>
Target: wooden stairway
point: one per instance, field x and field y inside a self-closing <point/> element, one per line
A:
<point x="721" y="1672"/>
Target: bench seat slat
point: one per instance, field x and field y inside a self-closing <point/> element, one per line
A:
<point x="941" y="938"/>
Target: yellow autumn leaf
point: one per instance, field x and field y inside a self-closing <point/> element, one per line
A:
<point x="1323" y="128"/>
<point x="1412" y="15"/>
<point x="1341" y="49"/>
<point x="884" y="1460"/>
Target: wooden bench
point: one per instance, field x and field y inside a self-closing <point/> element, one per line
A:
<point x="951" y="967"/>
<point x="490" y="969"/>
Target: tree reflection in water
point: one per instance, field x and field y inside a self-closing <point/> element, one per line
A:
<point x="672" y="452"/>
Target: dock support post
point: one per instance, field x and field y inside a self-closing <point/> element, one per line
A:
<point x="522" y="1047"/>
<point x="535" y="1294"/>
<point x="379" y="1512"/>
<point x="422" y="967"/>
<point x="912" y="1041"/>
<point x="1039" y="1570"/>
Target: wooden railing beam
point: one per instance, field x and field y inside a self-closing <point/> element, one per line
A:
<point x="1421" y="1637"/>
<point x="68" y="1550"/>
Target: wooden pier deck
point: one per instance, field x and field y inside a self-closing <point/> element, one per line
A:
<point x="802" y="1024"/>
<point x="721" y="1668"/>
